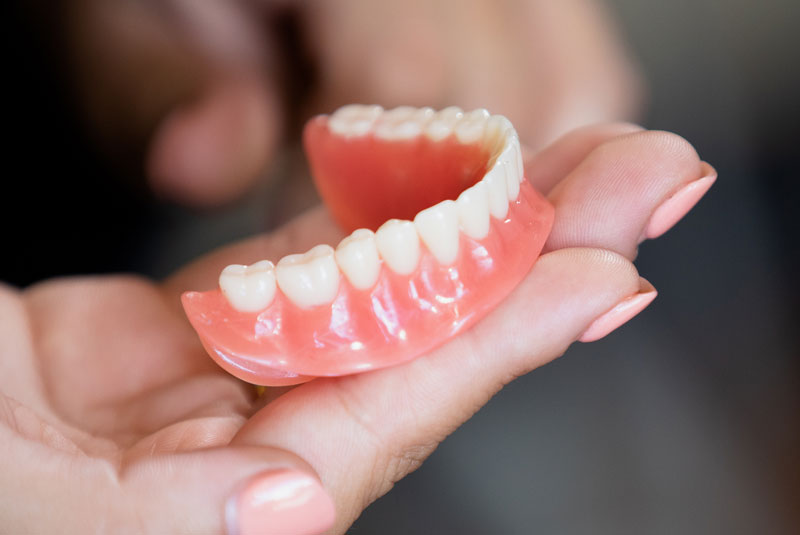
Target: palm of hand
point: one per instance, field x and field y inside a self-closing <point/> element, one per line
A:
<point x="112" y="410"/>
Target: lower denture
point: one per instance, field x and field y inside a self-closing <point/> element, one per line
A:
<point x="428" y="197"/>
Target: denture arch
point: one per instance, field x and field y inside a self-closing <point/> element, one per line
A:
<point x="443" y="226"/>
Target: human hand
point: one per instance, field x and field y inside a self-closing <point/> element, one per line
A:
<point x="207" y="90"/>
<point x="113" y="418"/>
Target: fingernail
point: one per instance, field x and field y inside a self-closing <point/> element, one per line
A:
<point x="620" y="314"/>
<point x="673" y="209"/>
<point x="283" y="502"/>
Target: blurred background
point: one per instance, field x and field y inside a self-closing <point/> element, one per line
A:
<point x="687" y="420"/>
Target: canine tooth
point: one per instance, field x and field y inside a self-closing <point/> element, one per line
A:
<point x="398" y="245"/>
<point x="438" y="228"/>
<point x="442" y="123"/>
<point x="510" y="160"/>
<point x="357" y="257"/>
<point x="309" y="279"/>
<point x="354" y="119"/>
<point x="249" y="288"/>
<point x="497" y="188"/>
<point x="403" y="122"/>
<point x="471" y="128"/>
<point x="512" y="182"/>
<point x="473" y="211"/>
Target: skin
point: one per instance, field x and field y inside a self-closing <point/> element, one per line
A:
<point x="104" y="383"/>
<point x="203" y="87"/>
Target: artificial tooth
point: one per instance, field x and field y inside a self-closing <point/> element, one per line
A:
<point x="357" y="257"/>
<point x="497" y="187"/>
<point x="249" y="288"/>
<point x="309" y="279"/>
<point x="473" y="211"/>
<point x="497" y="128"/>
<point x="400" y="123"/>
<point x="508" y="159"/>
<point x="398" y="244"/>
<point x="438" y="228"/>
<point x="442" y="123"/>
<point x="354" y="119"/>
<point x="472" y="126"/>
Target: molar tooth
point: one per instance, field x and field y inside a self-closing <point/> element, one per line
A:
<point x="398" y="244"/>
<point x="442" y="123"/>
<point x="473" y="211"/>
<point x="357" y="256"/>
<point x="438" y="228"/>
<point x="309" y="279"/>
<point x="354" y="119"/>
<point x="470" y="129"/>
<point x="497" y="187"/>
<point x="249" y="288"/>
<point x="402" y="122"/>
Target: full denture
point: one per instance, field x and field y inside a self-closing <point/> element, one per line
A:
<point x="385" y="294"/>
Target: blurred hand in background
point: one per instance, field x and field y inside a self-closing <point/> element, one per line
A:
<point x="203" y="93"/>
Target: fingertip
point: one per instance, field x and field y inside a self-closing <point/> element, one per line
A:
<point x="209" y="151"/>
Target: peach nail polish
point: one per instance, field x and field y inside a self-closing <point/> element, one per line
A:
<point x="283" y="502"/>
<point x="673" y="209"/>
<point x="620" y="314"/>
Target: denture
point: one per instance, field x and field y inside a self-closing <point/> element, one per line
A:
<point x="443" y="227"/>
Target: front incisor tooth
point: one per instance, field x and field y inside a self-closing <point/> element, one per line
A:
<point x="471" y="128"/>
<point x="438" y="228"/>
<point x="442" y="123"/>
<point x="249" y="288"/>
<point x="398" y="244"/>
<point x="354" y="119"/>
<point x="496" y="185"/>
<point x="309" y="279"/>
<point x="357" y="256"/>
<point x="473" y="211"/>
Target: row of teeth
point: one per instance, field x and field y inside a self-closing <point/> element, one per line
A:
<point x="406" y="122"/>
<point x="312" y="278"/>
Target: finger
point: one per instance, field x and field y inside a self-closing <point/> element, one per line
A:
<point x="619" y="194"/>
<point x="234" y="490"/>
<point x="551" y="165"/>
<point x="209" y="151"/>
<point x="370" y="430"/>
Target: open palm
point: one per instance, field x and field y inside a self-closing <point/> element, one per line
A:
<point x="112" y="416"/>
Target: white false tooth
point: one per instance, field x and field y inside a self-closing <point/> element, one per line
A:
<point x="357" y="256"/>
<point x="497" y="128"/>
<point x="398" y="123"/>
<point x="354" y="119"/>
<point x="438" y="228"/>
<point x="249" y="288"/>
<point x="398" y="245"/>
<point x="497" y="187"/>
<point x="471" y="128"/>
<point x="508" y="159"/>
<point x="442" y="123"/>
<point x="517" y="152"/>
<point x="473" y="211"/>
<point x="309" y="279"/>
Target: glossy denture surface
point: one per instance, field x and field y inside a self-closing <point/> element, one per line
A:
<point x="383" y="298"/>
<point x="396" y="320"/>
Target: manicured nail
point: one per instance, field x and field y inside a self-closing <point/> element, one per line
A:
<point x="620" y="314"/>
<point x="673" y="209"/>
<point x="283" y="502"/>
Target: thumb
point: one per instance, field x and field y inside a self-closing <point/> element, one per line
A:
<point x="236" y="490"/>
